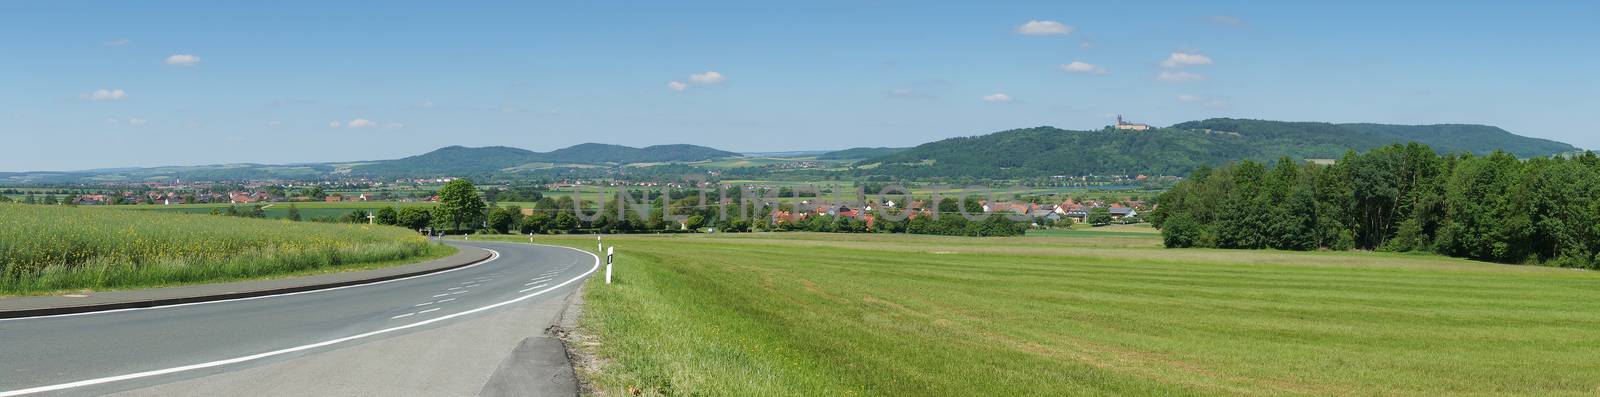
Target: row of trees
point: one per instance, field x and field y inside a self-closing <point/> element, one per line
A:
<point x="461" y="208"/>
<point x="1396" y="198"/>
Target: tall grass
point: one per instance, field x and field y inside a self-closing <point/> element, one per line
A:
<point x="49" y="248"/>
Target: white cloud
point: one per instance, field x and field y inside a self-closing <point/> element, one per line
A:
<point x="360" y="123"/>
<point x="677" y="85"/>
<point x="183" y="60"/>
<point x="335" y="124"/>
<point x="105" y="95"/>
<point x="997" y="98"/>
<point x="137" y="121"/>
<point x="1181" y="59"/>
<point x="116" y="43"/>
<point x="1044" y="28"/>
<point x="709" y="77"/>
<point x="274" y="124"/>
<point x="1179" y="77"/>
<point x="1083" y="67"/>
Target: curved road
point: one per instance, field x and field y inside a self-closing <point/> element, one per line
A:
<point x="97" y="353"/>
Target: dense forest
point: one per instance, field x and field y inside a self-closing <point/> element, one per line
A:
<point x="1396" y="198"/>
<point x="1045" y="151"/>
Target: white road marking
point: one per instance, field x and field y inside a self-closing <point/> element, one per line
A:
<point x="446" y="300"/>
<point x="402" y="316"/>
<point x="474" y="285"/>
<point x="492" y="256"/>
<point x="429" y="310"/>
<point x="439" y="295"/>
<point x="453" y="288"/>
<point x="235" y="360"/>
<point x="458" y="292"/>
<point x="422" y="304"/>
<point x="534" y="287"/>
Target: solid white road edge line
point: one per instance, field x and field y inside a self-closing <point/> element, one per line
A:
<point x="492" y="256"/>
<point x="258" y="356"/>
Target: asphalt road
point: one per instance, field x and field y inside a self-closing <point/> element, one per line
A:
<point x="100" y="353"/>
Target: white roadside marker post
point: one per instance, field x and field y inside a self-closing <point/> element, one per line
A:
<point x="598" y="245"/>
<point x="608" y="263"/>
<point x="530" y="237"/>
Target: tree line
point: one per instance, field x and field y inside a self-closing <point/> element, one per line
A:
<point x="1399" y="198"/>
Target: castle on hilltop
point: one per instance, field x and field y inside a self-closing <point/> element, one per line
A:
<point x="1123" y="125"/>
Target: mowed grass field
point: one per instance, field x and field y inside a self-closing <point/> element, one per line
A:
<point x="894" y="315"/>
<point x="46" y="248"/>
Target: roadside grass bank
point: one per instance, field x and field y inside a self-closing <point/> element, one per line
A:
<point x="47" y="249"/>
<point x="827" y="314"/>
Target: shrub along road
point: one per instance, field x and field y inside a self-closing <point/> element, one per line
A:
<point x="361" y="331"/>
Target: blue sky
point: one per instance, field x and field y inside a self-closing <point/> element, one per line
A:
<point x="280" y="82"/>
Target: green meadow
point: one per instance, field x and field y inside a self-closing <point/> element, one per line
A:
<point x="49" y="248"/>
<point x="1074" y="313"/>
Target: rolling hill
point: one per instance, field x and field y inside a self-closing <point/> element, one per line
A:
<point x="488" y="161"/>
<point x="1028" y="152"/>
<point x="860" y="153"/>
<point x="1044" y="151"/>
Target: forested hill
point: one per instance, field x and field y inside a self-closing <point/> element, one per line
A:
<point x="860" y="153"/>
<point x="484" y="161"/>
<point x="1176" y="150"/>
<point x="1445" y="138"/>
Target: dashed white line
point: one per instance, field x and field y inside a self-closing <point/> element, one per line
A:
<point x="422" y="304"/>
<point x="533" y="288"/>
<point x="402" y="316"/>
<point x="458" y="292"/>
<point x="452" y="288"/>
<point x="439" y="295"/>
<point x="474" y="285"/>
<point x="446" y="300"/>
<point x="429" y="310"/>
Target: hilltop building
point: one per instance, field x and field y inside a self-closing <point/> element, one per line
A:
<point x="1123" y="125"/>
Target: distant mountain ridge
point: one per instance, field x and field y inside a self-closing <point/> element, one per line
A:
<point x="1019" y="153"/>
<point x="1176" y="150"/>
<point x="465" y="161"/>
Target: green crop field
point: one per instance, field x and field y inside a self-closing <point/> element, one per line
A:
<point x="894" y="315"/>
<point x="52" y="248"/>
<point x="308" y="210"/>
